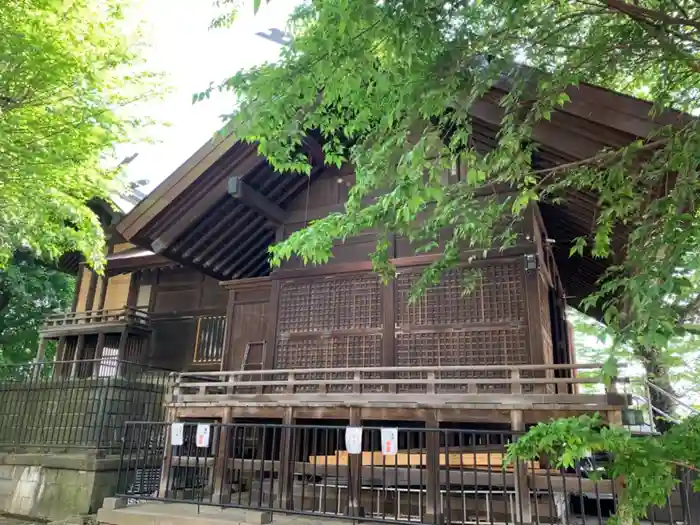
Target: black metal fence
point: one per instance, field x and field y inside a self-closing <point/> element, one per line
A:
<point x="76" y="404"/>
<point x="432" y="476"/>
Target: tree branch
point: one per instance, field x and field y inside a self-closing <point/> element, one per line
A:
<point x="597" y="159"/>
<point x="637" y="12"/>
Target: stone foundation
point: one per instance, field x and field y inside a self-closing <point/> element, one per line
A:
<point x="55" y="486"/>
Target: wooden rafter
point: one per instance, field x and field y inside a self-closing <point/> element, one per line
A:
<point x="249" y="196"/>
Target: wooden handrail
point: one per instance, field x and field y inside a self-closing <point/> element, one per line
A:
<point x="353" y="381"/>
<point x="127" y="314"/>
<point x="412" y="369"/>
<point x="431" y="381"/>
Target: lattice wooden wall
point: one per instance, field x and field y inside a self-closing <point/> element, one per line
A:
<point x="337" y="321"/>
<point x="332" y="322"/>
<point x="448" y="326"/>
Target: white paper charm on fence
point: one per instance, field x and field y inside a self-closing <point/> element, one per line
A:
<point x="390" y="441"/>
<point x="353" y="440"/>
<point x="177" y="434"/>
<point x="202" y="435"/>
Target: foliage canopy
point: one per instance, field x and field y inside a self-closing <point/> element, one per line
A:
<point x="28" y="291"/>
<point x="390" y="85"/>
<point x="649" y="465"/>
<point x="68" y="70"/>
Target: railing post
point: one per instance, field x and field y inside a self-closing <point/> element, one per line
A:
<point x="357" y="382"/>
<point x="231" y="380"/>
<point x="614" y="417"/>
<point x="291" y="376"/>
<point x="516" y="387"/>
<point x="176" y="386"/>
<point x="430" y="387"/>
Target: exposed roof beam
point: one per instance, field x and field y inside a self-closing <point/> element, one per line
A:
<point x="252" y="256"/>
<point x="195" y="210"/>
<point x="198" y="207"/>
<point x="166" y="192"/>
<point x="256" y="201"/>
<point x="242" y="244"/>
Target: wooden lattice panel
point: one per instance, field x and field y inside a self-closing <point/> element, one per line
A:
<point x="504" y="346"/>
<point x="337" y="303"/>
<point x="497" y="296"/>
<point x="330" y="352"/>
<point x="342" y="351"/>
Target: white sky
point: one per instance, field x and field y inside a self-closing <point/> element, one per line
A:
<point x="191" y="55"/>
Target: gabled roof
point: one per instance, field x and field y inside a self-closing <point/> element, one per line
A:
<point x="218" y="211"/>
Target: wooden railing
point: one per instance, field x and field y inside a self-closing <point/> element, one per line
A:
<point x="126" y="315"/>
<point x="398" y="383"/>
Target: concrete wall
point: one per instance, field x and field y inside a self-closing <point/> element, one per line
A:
<point x="56" y="486"/>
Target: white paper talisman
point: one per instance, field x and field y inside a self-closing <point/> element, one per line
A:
<point x="177" y="434"/>
<point x="202" y="435"/>
<point x="353" y="440"/>
<point x="390" y="441"/>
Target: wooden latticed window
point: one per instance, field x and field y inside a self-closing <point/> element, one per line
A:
<point x="335" y="322"/>
<point x="450" y="326"/>
<point x="209" y="342"/>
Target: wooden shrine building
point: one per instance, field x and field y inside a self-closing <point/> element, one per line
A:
<point x="189" y="288"/>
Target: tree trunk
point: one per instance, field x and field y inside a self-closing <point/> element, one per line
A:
<point x="658" y="374"/>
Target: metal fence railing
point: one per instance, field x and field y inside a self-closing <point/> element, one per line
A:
<point x="428" y="475"/>
<point x="77" y="404"/>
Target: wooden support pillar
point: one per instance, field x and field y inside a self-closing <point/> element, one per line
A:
<point x="523" y="502"/>
<point x="221" y="483"/>
<point x="78" y="285"/>
<point x="40" y="357"/>
<point x="355" y="472"/>
<point x="121" y="354"/>
<point x="104" y="280"/>
<point x="92" y="286"/>
<point x="61" y="349"/>
<point x="59" y="368"/>
<point x="227" y="359"/>
<point x="614" y="417"/>
<point x="271" y="334"/>
<point x="166" y="469"/>
<point x="388" y="331"/>
<point x="79" y="349"/>
<point x="286" y="476"/>
<point x="98" y="354"/>
<point x="433" y="504"/>
<point x="41" y="351"/>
